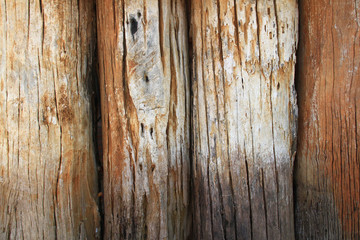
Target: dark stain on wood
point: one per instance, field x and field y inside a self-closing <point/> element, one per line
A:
<point x="133" y="26"/>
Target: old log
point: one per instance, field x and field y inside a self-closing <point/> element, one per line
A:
<point x="244" y="118"/>
<point x="144" y="82"/>
<point x="328" y="162"/>
<point x="48" y="180"/>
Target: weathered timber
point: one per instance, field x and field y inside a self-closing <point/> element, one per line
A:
<point x="144" y="82"/>
<point x="244" y="118"/>
<point x="48" y="180"/>
<point x="328" y="162"/>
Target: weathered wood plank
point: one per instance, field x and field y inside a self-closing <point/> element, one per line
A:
<point x="327" y="169"/>
<point x="244" y="118"/>
<point x="143" y="62"/>
<point x="48" y="180"/>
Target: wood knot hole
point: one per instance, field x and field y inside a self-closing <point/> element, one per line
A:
<point x="151" y="132"/>
<point x="142" y="129"/>
<point x="146" y="78"/>
<point x="133" y="26"/>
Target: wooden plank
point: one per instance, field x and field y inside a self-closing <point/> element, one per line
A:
<point x="143" y="62"/>
<point x="48" y="180"/>
<point x="244" y="118"/>
<point x="328" y="170"/>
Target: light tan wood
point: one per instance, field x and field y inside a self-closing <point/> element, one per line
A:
<point x="244" y="118"/>
<point x="48" y="180"/>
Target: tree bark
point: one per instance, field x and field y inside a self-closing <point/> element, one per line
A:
<point x="244" y="118"/>
<point x="327" y="176"/>
<point x="48" y="180"/>
<point x="144" y="81"/>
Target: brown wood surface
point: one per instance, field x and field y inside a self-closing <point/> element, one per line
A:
<point x="328" y="156"/>
<point x="239" y="127"/>
<point x="48" y="181"/>
<point x="144" y="81"/>
<point x="244" y="118"/>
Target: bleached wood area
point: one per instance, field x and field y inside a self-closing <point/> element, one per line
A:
<point x="244" y="118"/>
<point x="48" y="180"/>
<point x="144" y="78"/>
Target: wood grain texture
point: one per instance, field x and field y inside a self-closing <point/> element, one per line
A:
<point x="244" y="118"/>
<point x="143" y="60"/>
<point x="48" y="180"/>
<point x="328" y="162"/>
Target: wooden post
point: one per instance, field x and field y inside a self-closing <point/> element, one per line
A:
<point x="143" y="60"/>
<point x="48" y="180"/>
<point x="244" y="118"/>
<point x="328" y="162"/>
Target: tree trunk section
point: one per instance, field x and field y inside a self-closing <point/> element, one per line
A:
<point x="48" y="180"/>
<point x="144" y="82"/>
<point x="244" y="118"/>
<point x="328" y="161"/>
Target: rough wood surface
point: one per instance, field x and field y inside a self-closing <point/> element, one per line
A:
<point x="328" y="162"/>
<point x="244" y="118"/>
<point x="48" y="180"/>
<point x="145" y="118"/>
